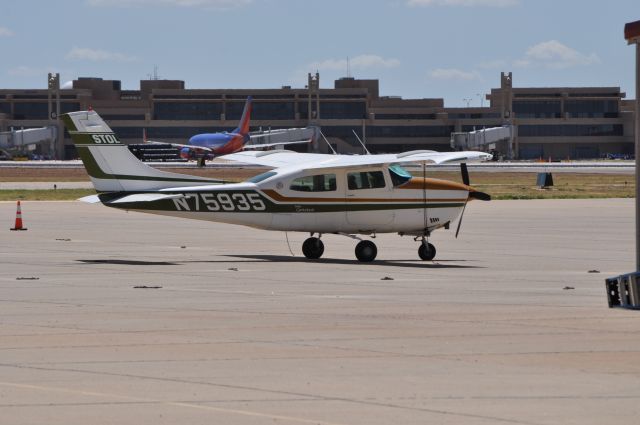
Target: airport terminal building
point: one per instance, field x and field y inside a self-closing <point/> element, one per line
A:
<point x="556" y="122"/>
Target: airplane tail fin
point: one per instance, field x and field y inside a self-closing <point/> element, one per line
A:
<point x="243" y="127"/>
<point x="110" y="164"/>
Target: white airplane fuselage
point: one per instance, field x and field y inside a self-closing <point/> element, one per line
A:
<point x="278" y="203"/>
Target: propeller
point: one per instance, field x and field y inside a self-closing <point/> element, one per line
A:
<point x="465" y="173"/>
<point x="481" y="196"/>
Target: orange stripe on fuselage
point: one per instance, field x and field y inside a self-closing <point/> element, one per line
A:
<point x="419" y="183"/>
<point x="282" y="198"/>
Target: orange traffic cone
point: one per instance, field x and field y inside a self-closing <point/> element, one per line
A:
<point x="18" y="225"/>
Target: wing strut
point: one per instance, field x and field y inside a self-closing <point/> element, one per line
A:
<point x="424" y="197"/>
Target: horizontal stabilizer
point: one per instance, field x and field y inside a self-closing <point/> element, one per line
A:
<point x="144" y="197"/>
<point x="91" y="199"/>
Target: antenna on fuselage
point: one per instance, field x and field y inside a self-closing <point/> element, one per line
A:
<point x="361" y="142"/>
<point x="325" y="139"/>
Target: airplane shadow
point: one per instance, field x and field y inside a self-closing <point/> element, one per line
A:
<point x="129" y="262"/>
<point x="377" y="263"/>
<point x="288" y="259"/>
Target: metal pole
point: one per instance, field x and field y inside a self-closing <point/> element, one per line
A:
<point x="637" y="154"/>
<point x="364" y="131"/>
<point x="59" y="152"/>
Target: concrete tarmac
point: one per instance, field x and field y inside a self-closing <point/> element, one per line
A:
<point x="45" y="185"/>
<point x="507" y="326"/>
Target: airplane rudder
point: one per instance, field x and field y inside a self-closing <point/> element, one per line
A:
<point x="246" y="116"/>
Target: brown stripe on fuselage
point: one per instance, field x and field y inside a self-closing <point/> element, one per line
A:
<point x="281" y="198"/>
<point x="419" y="183"/>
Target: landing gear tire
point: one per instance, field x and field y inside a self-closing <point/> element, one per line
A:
<point x="366" y="251"/>
<point x="202" y="162"/>
<point x="313" y="248"/>
<point x="427" y="251"/>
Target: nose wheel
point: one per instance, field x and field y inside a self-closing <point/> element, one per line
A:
<point x="313" y="248"/>
<point x="427" y="251"/>
<point x="366" y="251"/>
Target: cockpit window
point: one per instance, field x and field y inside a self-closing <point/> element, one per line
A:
<point x="319" y="183"/>
<point x="261" y="177"/>
<point x="398" y="175"/>
<point x="365" y="180"/>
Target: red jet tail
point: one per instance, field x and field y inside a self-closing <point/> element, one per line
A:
<point x="243" y="127"/>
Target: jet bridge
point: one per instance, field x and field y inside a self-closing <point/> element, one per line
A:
<point x="21" y="141"/>
<point x="494" y="138"/>
<point x="284" y="136"/>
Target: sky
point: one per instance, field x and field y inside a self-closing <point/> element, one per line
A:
<point x="451" y="49"/>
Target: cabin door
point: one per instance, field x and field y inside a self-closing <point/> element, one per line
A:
<point x="368" y="197"/>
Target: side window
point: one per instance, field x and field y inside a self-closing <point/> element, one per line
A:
<point x="365" y="180"/>
<point x="319" y="183"/>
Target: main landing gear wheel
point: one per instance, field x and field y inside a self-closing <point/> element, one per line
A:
<point x="366" y="251"/>
<point x="427" y="251"/>
<point x="313" y="248"/>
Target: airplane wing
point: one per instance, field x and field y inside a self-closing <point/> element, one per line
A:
<point x="179" y="145"/>
<point x="143" y="197"/>
<point x="284" y="158"/>
<point x="276" y="158"/>
<point x="442" y="157"/>
<point x="136" y="197"/>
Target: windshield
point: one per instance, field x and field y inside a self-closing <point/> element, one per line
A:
<point x="398" y="175"/>
<point x="261" y="177"/>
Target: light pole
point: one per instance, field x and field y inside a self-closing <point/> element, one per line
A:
<point x="632" y="35"/>
<point x="467" y="100"/>
<point x="624" y="290"/>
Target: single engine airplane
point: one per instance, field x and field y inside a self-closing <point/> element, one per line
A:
<point x="314" y="193"/>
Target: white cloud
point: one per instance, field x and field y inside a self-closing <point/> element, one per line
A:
<point x="95" y="55"/>
<point x="453" y="74"/>
<point x="205" y="4"/>
<point x="355" y="63"/>
<point x="555" y="55"/>
<point x="5" y="32"/>
<point x="29" y="71"/>
<point x="486" y="3"/>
